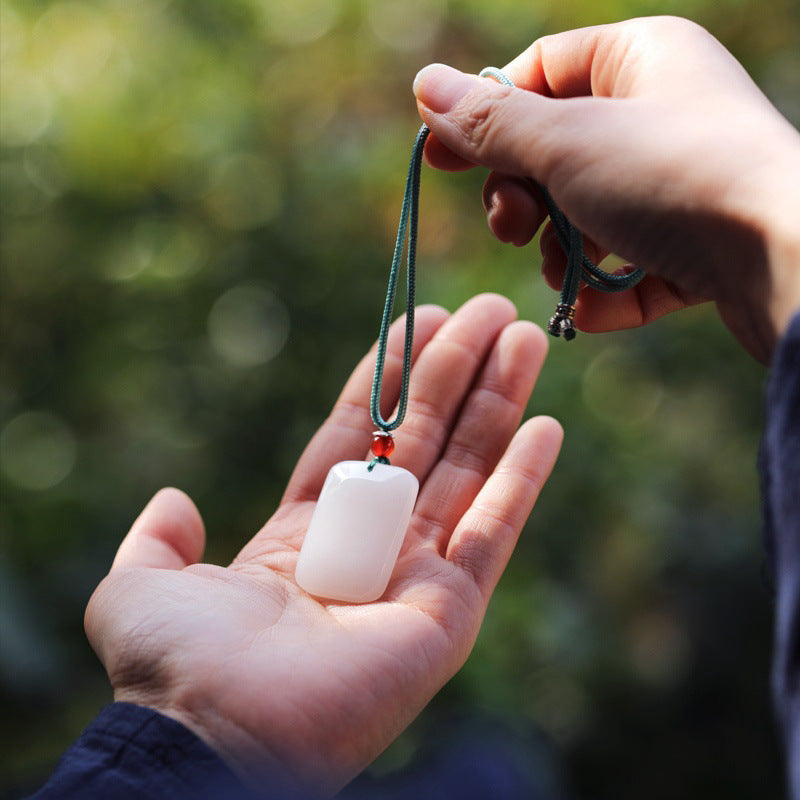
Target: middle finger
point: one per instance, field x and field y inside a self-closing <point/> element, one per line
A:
<point x="443" y="376"/>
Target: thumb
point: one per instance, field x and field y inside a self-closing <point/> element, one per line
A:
<point x="486" y="123"/>
<point x="168" y="534"/>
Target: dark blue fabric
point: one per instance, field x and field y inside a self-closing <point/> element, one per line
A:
<point x="130" y="752"/>
<point x="473" y="755"/>
<point x="780" y="474"/>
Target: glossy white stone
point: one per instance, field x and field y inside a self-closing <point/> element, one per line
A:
<point x="355" y="534"/>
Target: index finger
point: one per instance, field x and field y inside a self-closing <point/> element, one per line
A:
<point x="441" y="157"/>
<point x="564" y="64"/>
<point x="627" y="59"/>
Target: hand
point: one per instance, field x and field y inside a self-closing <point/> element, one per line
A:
<point x="656" y="143"/>
<point x="312" y="690"/>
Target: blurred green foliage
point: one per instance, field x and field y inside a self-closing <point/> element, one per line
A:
<point x="198" y="206"/>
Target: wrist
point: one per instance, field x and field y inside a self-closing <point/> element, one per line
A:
<point x="223" y="743"/>
<point x="768" y="203"/>
<point x="783" y="252"/>
<point x="247" y="756"/>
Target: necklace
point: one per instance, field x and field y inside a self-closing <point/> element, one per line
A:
<point x="364" y="509"/>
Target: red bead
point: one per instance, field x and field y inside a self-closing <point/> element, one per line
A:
<point x="382" y="445"/>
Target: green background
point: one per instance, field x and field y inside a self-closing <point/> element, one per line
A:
<point x="199" y="202"/>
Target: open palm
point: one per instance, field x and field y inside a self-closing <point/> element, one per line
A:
<point x="311" y="690"/>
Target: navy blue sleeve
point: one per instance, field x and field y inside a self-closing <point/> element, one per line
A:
<point x="130" y="751"/>
<point x="780" y="473"/>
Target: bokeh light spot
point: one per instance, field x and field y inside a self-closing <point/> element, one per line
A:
<point x="82" y="51"/>
<point x="244" y="192"/>
<point x="37" y="450"/>
<point x="248" y="326"/>
<point x="619" y="389"/>
<point x="300" y="21"/>
<point x="406" y="24"/>
<point x="659" y="648"/>
<point x="27" y="107"/>
<point x="157" y="248"/>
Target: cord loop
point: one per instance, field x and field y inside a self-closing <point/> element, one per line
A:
<point x="579" y="268"/>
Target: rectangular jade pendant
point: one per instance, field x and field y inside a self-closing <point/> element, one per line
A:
<point x="356" y="531"/>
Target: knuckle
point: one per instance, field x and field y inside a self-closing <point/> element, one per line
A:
<point x="659" y="27"/>
<point x="483" y="120"/>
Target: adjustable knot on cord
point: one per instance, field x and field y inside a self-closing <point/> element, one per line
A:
<point x="561" y="323"/>
<point x="579" y="267"/>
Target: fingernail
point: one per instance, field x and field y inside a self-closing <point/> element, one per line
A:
<point x="440" y="87"/>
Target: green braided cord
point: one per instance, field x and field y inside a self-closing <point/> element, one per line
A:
<point x="377" y="460"/>
<point x="407" y="229"/>
<point x="592" y="274"/>
<point x="579" y="266"/>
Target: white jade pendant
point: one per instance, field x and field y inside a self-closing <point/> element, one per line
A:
<point x="356" y="531"/>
